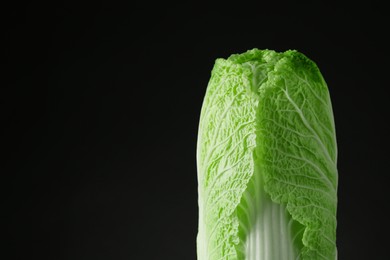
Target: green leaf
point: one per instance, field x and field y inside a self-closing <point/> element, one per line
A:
<point x="267" y="160"/>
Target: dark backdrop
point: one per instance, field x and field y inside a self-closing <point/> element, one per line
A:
<point x="101" y="111"/>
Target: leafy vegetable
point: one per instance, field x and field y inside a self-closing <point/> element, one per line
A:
<point x="267" y="160"/>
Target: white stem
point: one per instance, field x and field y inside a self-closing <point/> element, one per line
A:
<point x="270" y="236"/>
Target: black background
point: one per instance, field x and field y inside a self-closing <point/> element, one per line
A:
<point x="101" y="111"/>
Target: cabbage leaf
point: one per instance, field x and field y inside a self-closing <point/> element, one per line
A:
<point x="266" y="159"/>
